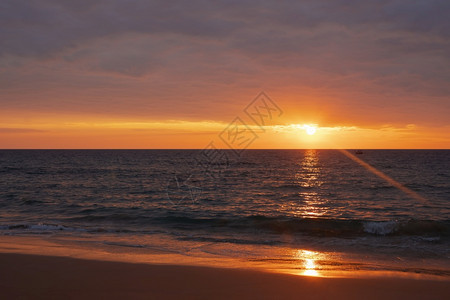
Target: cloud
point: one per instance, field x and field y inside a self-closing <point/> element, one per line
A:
<point x="20" y="130"/>
<point x="45" y="28"/>
<point x="178" y="59"/>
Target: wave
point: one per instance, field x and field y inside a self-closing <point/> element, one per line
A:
<point x="380" y="228"/>
<point x="229" y="240"/>
<point x="31" y="202"/>
<point x="315" y="226"/>
<point x="40" y="227"/>
<point x="428" y="229"/>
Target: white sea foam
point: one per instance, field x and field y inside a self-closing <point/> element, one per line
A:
<point x="431" y="238"/>
<point x="380" y="228"/>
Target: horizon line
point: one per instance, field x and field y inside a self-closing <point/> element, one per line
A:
<point x="1" y="149"/>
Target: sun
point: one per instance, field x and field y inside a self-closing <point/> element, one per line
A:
<point x="310" y="129"/>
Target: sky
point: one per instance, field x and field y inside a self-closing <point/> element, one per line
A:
<point x="175" y="74"/>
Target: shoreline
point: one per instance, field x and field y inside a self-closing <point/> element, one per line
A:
<point x="37" y="268"/>
<point x="39" y="277"/>
<point x="306" y="264"/>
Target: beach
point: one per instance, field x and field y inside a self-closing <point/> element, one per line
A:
<point x="281" y="224"/>
<point x="50" y="277"/>
<point x="35" y="268"/>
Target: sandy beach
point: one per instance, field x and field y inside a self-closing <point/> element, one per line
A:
<point x="46" y="277"/>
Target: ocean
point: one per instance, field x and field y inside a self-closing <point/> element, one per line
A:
<point x="312" y="212"/>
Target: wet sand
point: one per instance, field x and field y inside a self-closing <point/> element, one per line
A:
<point x="50" y="277"/>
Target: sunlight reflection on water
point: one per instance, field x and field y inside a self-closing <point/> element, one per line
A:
<point x="309" y="177"/>
<point x="309" y="260"/>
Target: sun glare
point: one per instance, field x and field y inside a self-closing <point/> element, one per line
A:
<point x="310" y="130"/>
<point x="309" y="261"/>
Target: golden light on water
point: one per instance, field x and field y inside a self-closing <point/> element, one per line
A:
<point x="311" y="273"/>
<point x="308" y="177"/>
<point x="309" y="264"/>
<point x="308" y="259"/>
<point x="310" y="267"/>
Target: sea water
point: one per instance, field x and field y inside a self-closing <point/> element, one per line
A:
<point x="305" y="211"/>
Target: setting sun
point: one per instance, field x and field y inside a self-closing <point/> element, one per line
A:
<point x="310" y="129"/>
